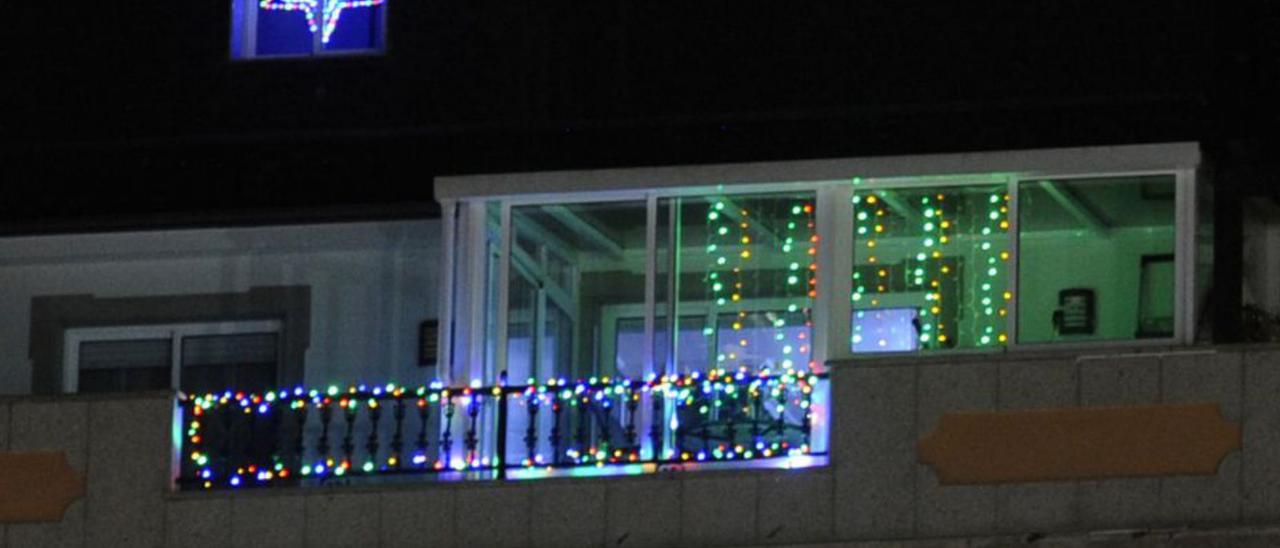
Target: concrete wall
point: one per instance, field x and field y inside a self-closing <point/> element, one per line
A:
<point x="874" y="489"/>
<point x="885" y="407"/>
<point x="371" y="286"/>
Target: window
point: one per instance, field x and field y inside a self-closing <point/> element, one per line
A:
<point x="930" y="264"/>
<point x="195" y="358"/>
<point x="1097" y="258"/>
<point x="568" y="262"/>
<point x="273" y="28"/>
<point x="668" y="276"/>
<point x="747" y="265"/>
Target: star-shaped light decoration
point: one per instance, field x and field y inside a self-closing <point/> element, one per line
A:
<point x="331" y="12"/>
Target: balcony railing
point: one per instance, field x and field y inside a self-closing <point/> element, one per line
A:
<point x="304" y="437"/>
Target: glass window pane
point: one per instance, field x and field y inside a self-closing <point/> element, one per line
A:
<point x="569" y="263"/>
<point x="282" y="32"/>
<point x="356" y="26"/>
<point x="930" y="268"/>
<point x="1096" y="258"/>
<point x="745" y="264"/>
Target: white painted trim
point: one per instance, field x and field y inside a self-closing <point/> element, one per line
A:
<point x="174" y="332"/>
<point x="1124" y="158"/>
<point x="650" y="288"/>
<point x="447" y="295"/>
<point x="832" y="331"/>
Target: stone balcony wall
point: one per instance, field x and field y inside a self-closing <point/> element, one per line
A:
<point x="874" y="490"/>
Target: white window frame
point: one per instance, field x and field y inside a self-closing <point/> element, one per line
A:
<point x="832" y="181"/>
<point x="174" y="332"/>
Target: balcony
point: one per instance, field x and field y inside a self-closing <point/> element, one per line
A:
<point x="589" y="427"/>
<point x="875" y="486"/>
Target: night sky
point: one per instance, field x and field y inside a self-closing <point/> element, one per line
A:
<point x="126" y="117"/>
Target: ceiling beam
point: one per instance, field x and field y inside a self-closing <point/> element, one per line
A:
<point x="601" y="236"/>
<point x="1077" y="208"/>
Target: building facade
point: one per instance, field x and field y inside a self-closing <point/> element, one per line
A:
<point x="504" y="274"/>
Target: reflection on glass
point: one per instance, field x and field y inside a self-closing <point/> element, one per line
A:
<point x="568" y="264"/>
<point x="630" y="345"/>
<point x="886" y="330"/>
<point x="1096" y="258"/>
<point x="942" y="253"/>
<point x="745" y="265"/>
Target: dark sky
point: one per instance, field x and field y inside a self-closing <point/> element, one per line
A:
<point x="122" y="115"/>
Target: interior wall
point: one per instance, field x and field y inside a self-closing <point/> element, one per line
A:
<point x="372" y="284"/>
<point x="1109" y="266"/>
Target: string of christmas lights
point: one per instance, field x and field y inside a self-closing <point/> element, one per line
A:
<point x="695" y="392"/>
<point x="742" y="243"/>
<point x="993" y="295"/>
<point x="962" y="238"/>
<point x="317" y="16"/>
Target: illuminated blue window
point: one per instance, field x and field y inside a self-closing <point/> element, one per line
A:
<point x="273" y="28"/>
<point x="886" y="330"/>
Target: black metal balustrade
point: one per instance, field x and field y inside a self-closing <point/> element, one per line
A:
<point x="300" y="437"/>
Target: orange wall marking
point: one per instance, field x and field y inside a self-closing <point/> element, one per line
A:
<point x="1078" y="444"/>
<point x="37" y="486"/>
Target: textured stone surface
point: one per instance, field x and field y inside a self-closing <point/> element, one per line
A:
<point x="943" y="388"/>
<point x="954" y="509"/>
<point x="1196" y="377"/>
<point x="130" y="458"/>
<point x="718" y="510"/>
<point x="198" y="521"/>
<point x="567" y="515"/>
<point x="4" y="446"/>
<point x="1119" y="503"/>
<point x="961" y="509"/>
<point x="1121" y="380"/>
<point x="68" y="532"/>
<point x="418" y="518"/>
<point x="58" y="426"/>
<point x="1036" y="507"/>
<point x="795" y="507"/>
<point x="1038" y="384"/>
<point x="495" y="516"/>
<point x="4" y="426"/>
<point x="874" y="455"/>
<point x="268" y="520"/>
<point x="340" y="520"/>
<point x="1201" y="500"/>
<point x="1261" y="424"/>
<point x="635" y="505"/>
<point x="51" y="425"/>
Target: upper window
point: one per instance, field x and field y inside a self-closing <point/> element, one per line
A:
<point x="273" y="28"/>
<point x="194" y="358"/>
<point x="930" y="268"/>
<point x="1097" y="258"/>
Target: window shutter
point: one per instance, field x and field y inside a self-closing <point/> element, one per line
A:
<point x="129" y="354"/>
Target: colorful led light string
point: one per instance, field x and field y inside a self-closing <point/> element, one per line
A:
<point x="730" y="245"/>
<point x="802" y="265"/>
<point x="786" y="388"/>
<point x="332" y="11"/>
<point x="871" y="222"/>
<point x="993" y="296"/>
<point x="860" y="219"/>
<point x="934" y="227"/>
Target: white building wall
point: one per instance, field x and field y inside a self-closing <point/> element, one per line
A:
<point x="371" y="286"/>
